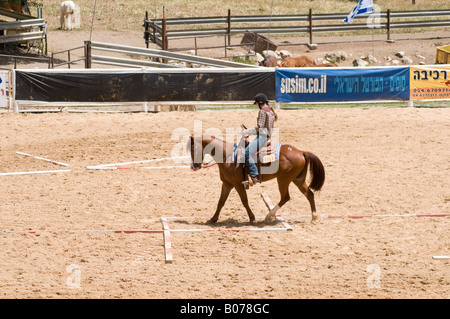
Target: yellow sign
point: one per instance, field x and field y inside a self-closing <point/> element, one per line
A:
<point x="429" y="82"/>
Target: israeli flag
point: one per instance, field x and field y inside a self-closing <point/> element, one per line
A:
<point x="364" y="6"/>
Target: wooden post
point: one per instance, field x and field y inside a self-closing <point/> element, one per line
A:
<point x="195" y="44"/>
<point x="87" y="54"/>
<point x="2" y="45"/>
<point x="45" y="43"/>
<point x="229" y="26"/>
<point x="146" y="34"/>
<point x="10" y="89"/>
<point x="225" y="45"/>
<point x="68" y="58"/>
<point x="310" y="26"/>
<point x="388" y="25"/>
<point x="165" y="42"/>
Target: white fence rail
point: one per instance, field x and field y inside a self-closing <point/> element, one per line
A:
<point x="150" y="53"/>
<point x="30" y="30"/>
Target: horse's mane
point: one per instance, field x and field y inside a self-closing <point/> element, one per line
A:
<point x="227" y="147"/>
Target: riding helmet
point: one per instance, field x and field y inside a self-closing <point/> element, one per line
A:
<point x="260" y="97"/>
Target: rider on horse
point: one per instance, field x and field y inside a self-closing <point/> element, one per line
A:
<point x="263" y="131"/>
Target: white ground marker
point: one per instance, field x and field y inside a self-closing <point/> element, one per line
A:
<point x="167" y="240"/>
<point x="270" y="205"/>
<point x="44" y="159"/>
<point x="236" y="229"/>
<point x="138" y="162"/>
<point x="34" y="172"/>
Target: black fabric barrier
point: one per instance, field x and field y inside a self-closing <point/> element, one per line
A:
<point x="143" y="86"/>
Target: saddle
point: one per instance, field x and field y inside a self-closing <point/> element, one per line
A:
<point x="265" y="156"/>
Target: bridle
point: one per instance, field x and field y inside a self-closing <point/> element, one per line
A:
<point x="195" y="155"/>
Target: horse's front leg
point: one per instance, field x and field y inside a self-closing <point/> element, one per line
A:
<point x="226" y="189"/>
<point x="243" y="195"/>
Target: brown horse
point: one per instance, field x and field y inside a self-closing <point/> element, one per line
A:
<point x="292" y="167"/>
<point x="304" y="62"/>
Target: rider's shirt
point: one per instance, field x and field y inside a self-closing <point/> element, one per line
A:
<point x="265" y="121"/>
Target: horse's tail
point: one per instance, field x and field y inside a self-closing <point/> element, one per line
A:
<point x="317" y="171"/>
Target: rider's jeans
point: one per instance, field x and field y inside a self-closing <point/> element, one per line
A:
<point x="250" y="153"/>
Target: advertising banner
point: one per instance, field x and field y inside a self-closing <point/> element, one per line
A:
<point x="341" y="85"/>
<point x="430" y="82"/>
<point x="189" y="85"/>
<point x="3" y="101"/>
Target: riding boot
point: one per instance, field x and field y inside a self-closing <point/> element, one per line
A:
<point x="245" y="181"/>
<point x="255" y="180"/>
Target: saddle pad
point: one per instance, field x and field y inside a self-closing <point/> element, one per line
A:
<point x="277" y="151"/>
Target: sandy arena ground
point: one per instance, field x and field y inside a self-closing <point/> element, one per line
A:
<point x="377" y="160"/>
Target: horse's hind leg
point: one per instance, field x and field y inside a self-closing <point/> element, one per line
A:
<point x="303" y="187"/>
<point x="283" y="187"/>
<point x="226" y="189"/>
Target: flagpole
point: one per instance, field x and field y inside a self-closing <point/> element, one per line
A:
<point x="92" y="23"/>
<point x="373" y="47"/>
<point x="270" y="25"/>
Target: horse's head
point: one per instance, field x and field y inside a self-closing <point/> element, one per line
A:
<point x="196" y="150"/>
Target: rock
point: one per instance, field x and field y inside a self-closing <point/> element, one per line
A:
<point x="421" y="63"/>
<point x="342" y="55"/>
<point x="407" y="60"/>
<point x="258" y="57"/>
<point x="371" y="59"/>
<point x="254" y="57"/>
<point x="395" y="62"/>
<point x="336" y="56"/>
<point x="400" y="54"/>
<point x="420" y="56"/>
<point x="360" y="62"/>
<point x="285" y="54"/>
<point x="312" y="46"/>
<point x="266" y="53"/>
<point x="331" y="57"/>
<point x="388" y="58"/>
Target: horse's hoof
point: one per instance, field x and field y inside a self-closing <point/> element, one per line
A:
<point x="269" y="218"/>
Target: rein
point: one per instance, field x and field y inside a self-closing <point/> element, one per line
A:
<point x="209" y="164"/>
